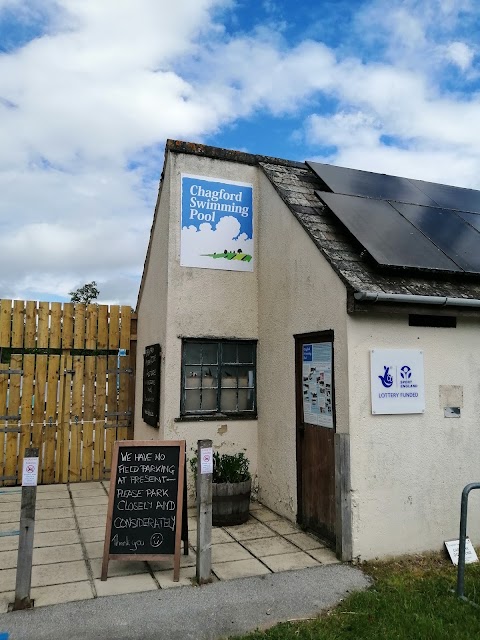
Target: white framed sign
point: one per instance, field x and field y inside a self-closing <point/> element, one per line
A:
<point x="216" y="224"/>
<point x="397" y="381"/>
<point x="30" y="472"/>
<point x="453" y="548"/>
<point x="317" y="384"/>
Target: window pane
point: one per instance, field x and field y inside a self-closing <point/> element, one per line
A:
<point x="245" y="376"/>
<point x="209" y="377"/>
<point x="228" y="400"/>
<point x="192" y="400"/>
<point x="209" y="353"/>
<point x="192" y="376"/>
<point x="193" y="352"/>
<point x="229" y="352"/>
<point x="209" y="399"/>
<point x="229" y="377"/>
<point x="245" y="352"/>
<point x="245" y="399"/>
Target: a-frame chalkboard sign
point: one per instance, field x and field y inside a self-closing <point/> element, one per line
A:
<point x="144" y="520"/>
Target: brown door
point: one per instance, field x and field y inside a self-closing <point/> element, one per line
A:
<point x="315" y="410"/>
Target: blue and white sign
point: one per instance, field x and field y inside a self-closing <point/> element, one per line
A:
<point x="397" y="381"/>
<point x="317" y="384"/>
<point x="216" y="224"/>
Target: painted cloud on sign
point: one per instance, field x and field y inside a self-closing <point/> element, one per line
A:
<point x="225" y="236"/>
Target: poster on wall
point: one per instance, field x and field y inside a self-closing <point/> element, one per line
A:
<point x="317" y="384"/>
<point x="397" y="381"/>
<point x="216" y="224"/>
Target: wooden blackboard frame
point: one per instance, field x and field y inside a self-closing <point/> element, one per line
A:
<point x="107" y="556"/>
<point x="154" y="407"/>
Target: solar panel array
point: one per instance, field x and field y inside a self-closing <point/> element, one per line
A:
<point x="405" y="223"/>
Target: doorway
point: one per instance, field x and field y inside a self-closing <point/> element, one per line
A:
<point x="315" y="432"/>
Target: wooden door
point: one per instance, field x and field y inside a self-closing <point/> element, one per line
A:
<point x="315" y="411"/>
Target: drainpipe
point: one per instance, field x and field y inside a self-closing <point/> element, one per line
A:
<point x="403" y="298"/>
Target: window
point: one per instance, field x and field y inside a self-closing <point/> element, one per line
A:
<point x="218" y="377"/>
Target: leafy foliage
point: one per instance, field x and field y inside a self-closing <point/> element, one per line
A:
<point x="227" y="467"/>
<point x="85" y="294"/>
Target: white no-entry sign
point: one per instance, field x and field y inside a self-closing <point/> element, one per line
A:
<point x="206" y="462"/>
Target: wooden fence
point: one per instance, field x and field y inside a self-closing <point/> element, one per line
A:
<point x="66" y="386"/>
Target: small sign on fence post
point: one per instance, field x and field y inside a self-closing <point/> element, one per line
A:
<point x="27" y="526"/>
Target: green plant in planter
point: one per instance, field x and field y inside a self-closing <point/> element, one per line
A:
<point x="231" y="487"/>
<point x="226" y="467"/>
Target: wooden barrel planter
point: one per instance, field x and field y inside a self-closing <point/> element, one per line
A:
<point x="230" y="503"/>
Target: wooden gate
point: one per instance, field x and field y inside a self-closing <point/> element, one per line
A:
<point x="66" y="386"/>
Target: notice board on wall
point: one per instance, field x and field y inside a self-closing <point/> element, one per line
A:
<point x="151" y="385"/>
<point x="144" y="520"/>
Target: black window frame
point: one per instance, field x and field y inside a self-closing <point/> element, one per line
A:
<point x="221" y="364"/>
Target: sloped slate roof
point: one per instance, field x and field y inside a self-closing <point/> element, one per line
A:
<point x="296" y="185"/>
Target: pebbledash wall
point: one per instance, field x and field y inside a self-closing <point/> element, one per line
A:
<point x="406" y="471"/>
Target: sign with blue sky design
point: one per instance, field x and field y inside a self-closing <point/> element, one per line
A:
<point x="216" y="224"/>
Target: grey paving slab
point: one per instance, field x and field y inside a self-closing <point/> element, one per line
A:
<point x="8" y="560"/>
<point x="119" y="585"/>
<point x="89" y="522"/>
<point x="165" y="578"/>
<point x="11" y="505"/>
<point x="59" y="573"/>
<point x="93" y="500"/>
<point x="229" y="551"/>
<point x="304" y="541"/>
<point x="94" y="549"/>
<point x="55" y="538"/>
<point x="51" y="513"/>
<point x="218" y="536"/>
<point x="54" y="524"/>
<point x="94" y="534"/>
<point x="59" y="553"/>
<point x="210" y="612"/>
<point x="9" y="526"/>
<point x="118" y="567"/>
<point x="249" y="531"/>
<point x="7" y="582"/>
<point x="269" y="546"/>
<point x="325" y="556"/>
<point x="239" y="569"/>
<point x="8" y="543"/>
<point x="53" y="504"/>
<point x="52" y="489"/>
<point x="185" y="561"/>
<point x="61" y="593"/>
<point x="5" y="599"/>
<point x="98" y="510"/>
<point x="264" y="515"/>
<point x="289" y="561"/>
<point x="282" y="527"/>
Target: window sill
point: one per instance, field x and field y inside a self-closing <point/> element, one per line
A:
<point x="216" y="417"/>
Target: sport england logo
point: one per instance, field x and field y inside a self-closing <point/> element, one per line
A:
<point x="406" y="373"/>
<point x="386" y="379"/>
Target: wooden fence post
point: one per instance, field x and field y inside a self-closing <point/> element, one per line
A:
<point x="204" y="510"/>
<point x="27" y="526"/>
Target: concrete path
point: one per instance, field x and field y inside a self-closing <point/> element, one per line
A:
<point x="209" y="612"/>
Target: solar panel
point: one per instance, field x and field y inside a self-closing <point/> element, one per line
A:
<point x="387" y="236"/>
<point x="448" y="197"/>
<point x="471" y="218"/>
<point x="369" y="185"/>
<point x="457" y="239"/>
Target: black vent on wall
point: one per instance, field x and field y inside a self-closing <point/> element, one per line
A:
<point x="423" y="320"/>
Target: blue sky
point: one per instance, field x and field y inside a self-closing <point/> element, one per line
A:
<point x="90" y="91"/>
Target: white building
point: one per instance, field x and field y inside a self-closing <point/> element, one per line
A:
<point x="277" y="310"/>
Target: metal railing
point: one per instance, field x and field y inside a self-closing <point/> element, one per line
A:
<point x="463" y="539"/>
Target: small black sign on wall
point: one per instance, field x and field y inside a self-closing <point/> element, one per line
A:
<point x="151" y="385"/>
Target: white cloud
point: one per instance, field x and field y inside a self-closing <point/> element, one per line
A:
<point x="86" y="106"/>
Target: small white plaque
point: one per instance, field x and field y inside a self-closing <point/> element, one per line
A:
<point x="30" y="472"/>
<point x="206" y="462"/>
<point x="453" y="547"/>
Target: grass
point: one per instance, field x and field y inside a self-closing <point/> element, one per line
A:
<point x="411" y="599"/>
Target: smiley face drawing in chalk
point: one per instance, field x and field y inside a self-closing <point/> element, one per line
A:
<point x="386" y="379"/>
<point x="156" y="540"/>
